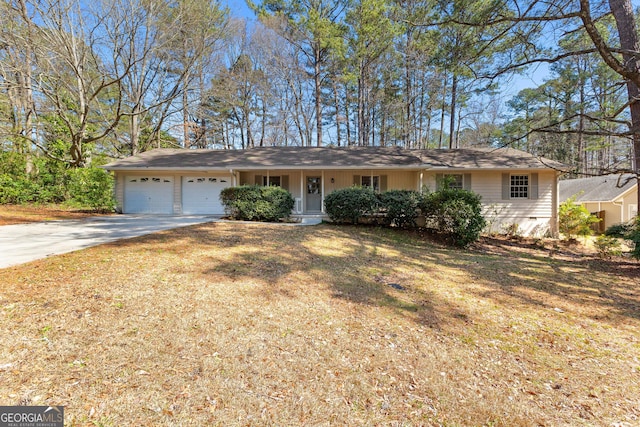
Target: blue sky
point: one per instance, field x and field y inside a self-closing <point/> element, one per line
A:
<point x="239" y="9"/>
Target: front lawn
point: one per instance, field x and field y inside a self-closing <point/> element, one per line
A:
<point x="252" y="324"/>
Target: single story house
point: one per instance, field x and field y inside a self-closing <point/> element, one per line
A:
<point x="516" y="187"/>
<point x="614" y="198"/>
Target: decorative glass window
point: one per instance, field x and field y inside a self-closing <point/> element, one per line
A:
<point x="144" y="179"/>
<point x="213" y="180"/>
<point x="519" y="187"/>
<point x="371" y="181"/>
<point x="273" y="181"/>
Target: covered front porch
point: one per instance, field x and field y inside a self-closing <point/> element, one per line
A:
<point x="309" y="187"/>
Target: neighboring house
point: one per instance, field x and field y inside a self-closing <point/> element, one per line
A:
<point x="614" y="198"/>
<point x="516" y="187"/>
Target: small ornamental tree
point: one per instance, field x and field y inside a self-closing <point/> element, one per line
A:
<point x="575" y="220"/>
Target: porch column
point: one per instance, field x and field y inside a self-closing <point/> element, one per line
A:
<point x="322" y="192"/>
<point x="301" y="191"/>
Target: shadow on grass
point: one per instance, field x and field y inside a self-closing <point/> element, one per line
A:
<point x="388" y="268"/>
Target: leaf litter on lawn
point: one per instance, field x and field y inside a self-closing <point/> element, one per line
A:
<point x="255" y="324"/>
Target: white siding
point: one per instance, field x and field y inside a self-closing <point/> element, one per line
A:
<point x="533" y="216"/>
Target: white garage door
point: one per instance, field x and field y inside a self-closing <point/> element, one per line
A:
<point x="148" y="194"/>
<point x="201" y="194"/>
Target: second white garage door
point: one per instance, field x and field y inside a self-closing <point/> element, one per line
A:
<point x="201" y="195"/>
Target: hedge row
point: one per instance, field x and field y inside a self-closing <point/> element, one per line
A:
<point x="455" y="213"/>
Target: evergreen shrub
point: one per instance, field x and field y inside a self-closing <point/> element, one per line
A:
<point x="348" y="205"/>
<point x="256" y="203"/>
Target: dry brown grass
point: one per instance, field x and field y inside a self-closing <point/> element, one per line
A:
<point x="251" y="324"/>
<point x="22" y="214"/>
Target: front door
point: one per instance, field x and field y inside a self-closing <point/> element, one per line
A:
<point x="314" y="194"/>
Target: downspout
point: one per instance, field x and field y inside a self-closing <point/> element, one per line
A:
<point x="621" y="205"/>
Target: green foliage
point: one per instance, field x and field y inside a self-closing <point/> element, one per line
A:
<point x="575" y="220"/>
<point x="54" y="182"/>
<point x="348" y="205"/>
<point x="634" y="236"/>
<point x="17" y="190"/>
<point x="455" y="213"/>
<point x="618" y="230"/>
<point x="256" y="203"/>
<point x="91" y="187"/>
<point x="607" y="246"/>
<point x="400" y="207"/>
<point x="629" y="231"/>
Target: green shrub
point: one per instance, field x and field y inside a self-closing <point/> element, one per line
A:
<point x="607" y="246"/>
<point x="634" y="236"/>
<point x="618" y="230"/>
<point x="17" y="190"/>
<point x="256" y="203"/>
<point x="400" y="207"/>
<point x="91" y="187"/>
<point x="575" y="220"/>
<point x="455" y="213"/>
<point x="348" y="205"/>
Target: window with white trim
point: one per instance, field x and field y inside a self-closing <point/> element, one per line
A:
<point x="519" y="187"/>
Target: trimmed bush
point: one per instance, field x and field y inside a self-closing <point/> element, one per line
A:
<point x="256" y="203"/>
<point x="455" y="213"/>
<point x="400" y="207"/>
<point x="348" y="205"/>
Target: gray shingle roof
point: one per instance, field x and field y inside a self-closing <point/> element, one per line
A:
<point x="603" y="188"/>
<point x="326" y="157"/>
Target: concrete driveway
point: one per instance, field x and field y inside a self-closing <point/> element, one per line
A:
<point x="27" y="242"/>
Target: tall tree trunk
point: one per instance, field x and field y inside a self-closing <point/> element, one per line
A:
<point x="336" y="102"/>
<point x="346" y="113"/>
<point x="318" y="93"/>
<point x="627" y="30"/>
<point x="452" y="123"/>
<point x="185" y="117"/>
<point x="442" y="111"/>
